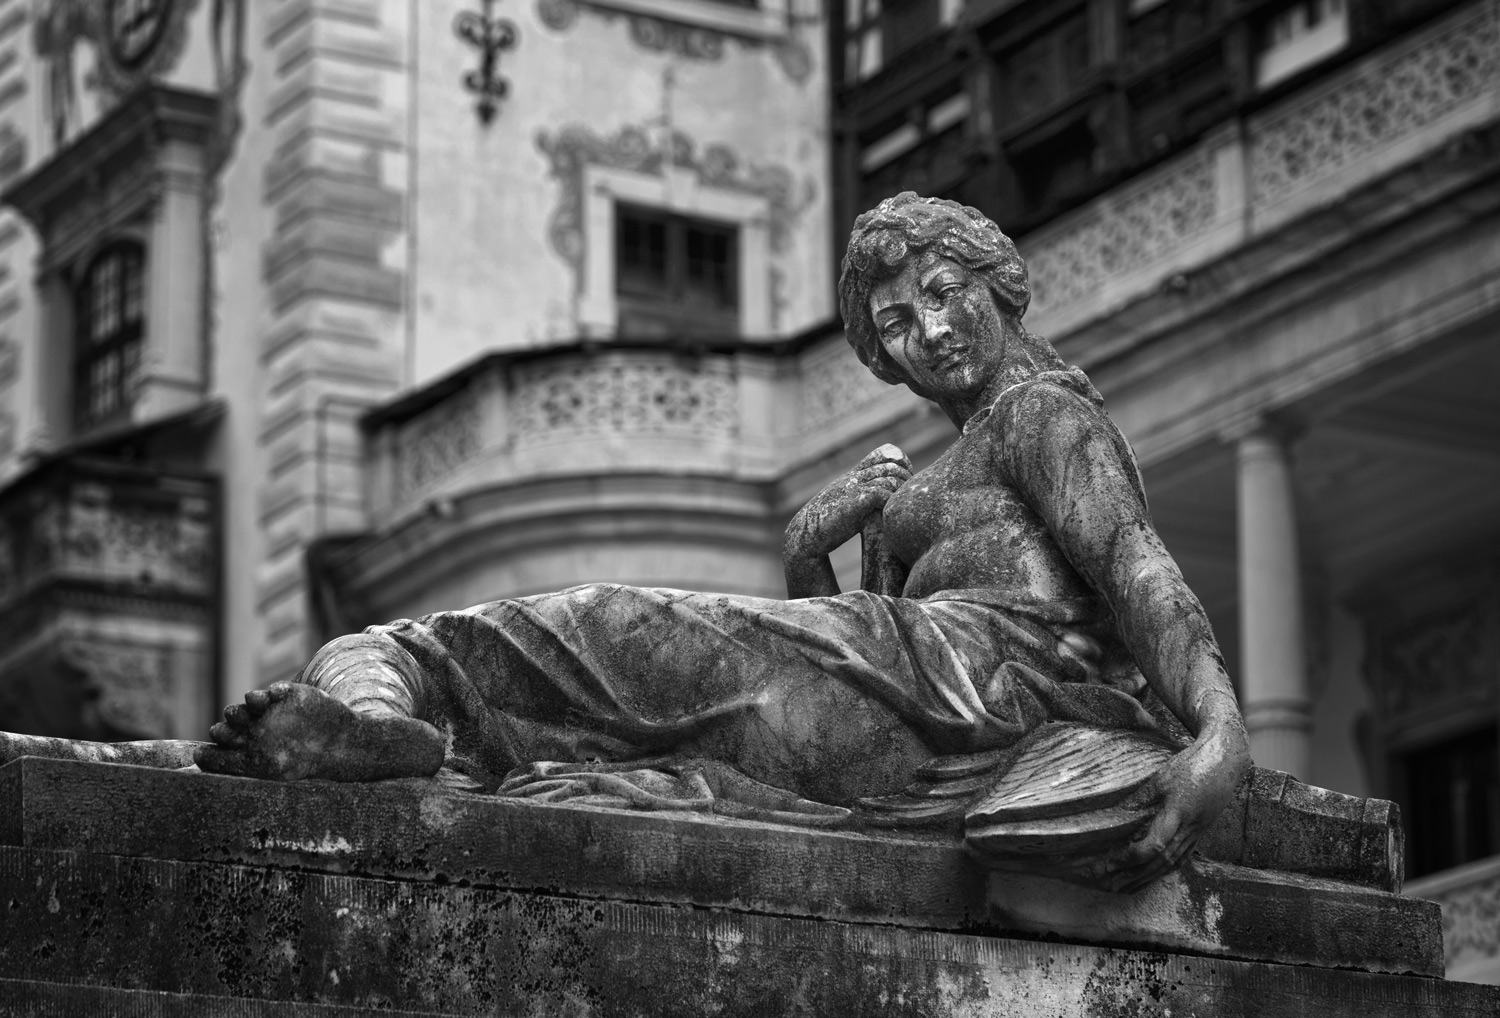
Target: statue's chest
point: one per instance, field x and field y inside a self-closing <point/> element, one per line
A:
<point x="950" y="498"/>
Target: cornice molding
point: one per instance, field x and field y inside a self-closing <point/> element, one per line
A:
<point x="133" y="131"/>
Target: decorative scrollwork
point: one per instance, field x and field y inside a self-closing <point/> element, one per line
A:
<point x="636" y="148"/>
<point x="491" y="36"/>
<point x="683" y="40"/>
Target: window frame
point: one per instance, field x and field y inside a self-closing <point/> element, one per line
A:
<point x="671" y="305"/>
<point x="678" y="190"/>
<point x="124" y="345"/>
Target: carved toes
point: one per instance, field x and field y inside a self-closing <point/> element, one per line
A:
<point x="278" y="691"/>
<point x="240" y="717"/>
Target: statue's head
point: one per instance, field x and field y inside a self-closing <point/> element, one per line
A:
<point x="898" y="230"/>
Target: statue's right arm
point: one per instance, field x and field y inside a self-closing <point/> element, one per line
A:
<point x="833" y="516"/>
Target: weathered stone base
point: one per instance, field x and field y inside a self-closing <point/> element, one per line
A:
<point x="259" y="899"/>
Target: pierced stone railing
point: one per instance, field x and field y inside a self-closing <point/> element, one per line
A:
<point x="1246" y="179"/>
<point x="1470" y="897"/>
<point x="740" y="411"/>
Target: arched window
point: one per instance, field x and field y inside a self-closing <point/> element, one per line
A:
<point x="110" y="310"/>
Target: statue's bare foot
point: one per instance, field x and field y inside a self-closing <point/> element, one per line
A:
<point x="292" y="731"/>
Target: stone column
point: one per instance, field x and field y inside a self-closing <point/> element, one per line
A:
<point x="1273" y="681"/>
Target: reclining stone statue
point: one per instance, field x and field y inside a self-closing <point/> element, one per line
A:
<point x="1028" y="665"/>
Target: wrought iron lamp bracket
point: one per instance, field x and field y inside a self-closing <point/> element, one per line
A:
<point x="491" y="36"/>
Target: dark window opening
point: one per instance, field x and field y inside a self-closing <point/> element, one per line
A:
<point x="675" y="275"/>
<point x="110" y="315"/>
<point x="1452" y="807"/>
<point x="1057" y="172"/>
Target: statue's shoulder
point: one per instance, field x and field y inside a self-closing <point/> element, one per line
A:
<point x="1052" y="403"/>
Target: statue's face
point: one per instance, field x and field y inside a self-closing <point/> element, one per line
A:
<point x="940" y="323"/>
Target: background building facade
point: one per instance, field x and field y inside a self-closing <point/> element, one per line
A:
<point x="318" y="313"/>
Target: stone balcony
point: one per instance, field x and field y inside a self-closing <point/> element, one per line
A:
<point x="661" y="464"/>
<point x="1470" y="897"/>
<point x="108" y="587"/>
<point x="736" y="411"/>
<point x="1250" y="177"/>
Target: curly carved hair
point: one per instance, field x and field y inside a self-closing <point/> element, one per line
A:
<point x="887" y="236"/>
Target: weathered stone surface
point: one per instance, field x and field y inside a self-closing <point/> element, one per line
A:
<point x="138" y="891"/>
<point x="24" y="999"/>
<point x="413" y="829"/>
<point x="235" y="933"/>
<point x="1214" y="909"/>
<point x="416" y="830"/>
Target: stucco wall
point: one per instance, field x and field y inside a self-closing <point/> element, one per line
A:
<point x="492" y="213"/>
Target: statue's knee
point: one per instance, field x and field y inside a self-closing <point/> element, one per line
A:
<point x="345" y="655"/>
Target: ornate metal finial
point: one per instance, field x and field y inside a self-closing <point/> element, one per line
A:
<point x="489" y="35"/>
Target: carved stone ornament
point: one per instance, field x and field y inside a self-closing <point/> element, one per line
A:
<point x="127" y="686"/>
<point x="133" y="41"/>
<point x="1126" y="234"/>
<point x="1471" y="921"/>
<point x="641" y="149"/>
<point x="683" y="40"/>
<point x="835" y="387"/>
<point x="693" y="42"/>
<point x="605" y="395"/>
<point x="437" y="442"/>
<point x="1393" y="98"/>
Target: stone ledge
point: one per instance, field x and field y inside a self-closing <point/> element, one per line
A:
<point x="97" y="931"/>
<point x="22" y="999"/>
<point x="419" y="832"/>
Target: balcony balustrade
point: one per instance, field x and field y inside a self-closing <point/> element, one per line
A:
<point x="744" y="413"/>
<point x="1470" y="896"/>
<point x="108" y="587"/>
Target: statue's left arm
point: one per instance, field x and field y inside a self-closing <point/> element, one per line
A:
<point x="1075" y="470"/>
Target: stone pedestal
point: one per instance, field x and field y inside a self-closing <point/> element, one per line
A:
<point x="137" y="892"/>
